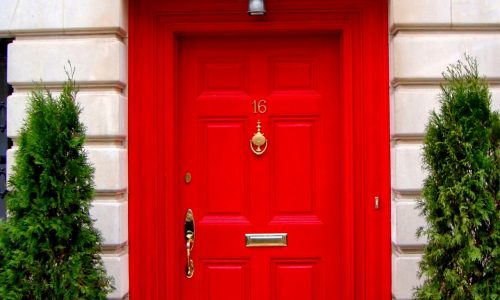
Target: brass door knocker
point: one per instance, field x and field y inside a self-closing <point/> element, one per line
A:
<point x="258" y="140"/>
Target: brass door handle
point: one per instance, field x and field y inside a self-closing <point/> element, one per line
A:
<point x="189" y="237"/>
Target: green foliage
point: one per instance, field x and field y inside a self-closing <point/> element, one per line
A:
<point x="49" y="248"/>
<point x="461" y="193"/>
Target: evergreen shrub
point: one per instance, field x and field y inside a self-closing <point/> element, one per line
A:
<point x="49" y="248"/>
<point x="460" y="199"/>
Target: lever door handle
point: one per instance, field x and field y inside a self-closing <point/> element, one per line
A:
<point x="189" y="237"/>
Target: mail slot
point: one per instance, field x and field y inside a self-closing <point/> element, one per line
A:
<point x="266" y="239"/>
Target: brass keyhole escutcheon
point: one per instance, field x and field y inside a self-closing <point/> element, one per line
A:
<point x="258" y="143"/>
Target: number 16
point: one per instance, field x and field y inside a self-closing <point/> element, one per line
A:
<point x="259" y="106"/>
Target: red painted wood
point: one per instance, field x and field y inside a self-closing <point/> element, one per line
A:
<point x="192" y="76"/>
<point x="294" y="187"/>
<point x="296" y="280"/>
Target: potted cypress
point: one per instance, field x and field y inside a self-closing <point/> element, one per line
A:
<point x="49" y="248"/>
<point x="461" y="193"/>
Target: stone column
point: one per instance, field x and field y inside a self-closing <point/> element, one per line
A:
<point x="425" y="37"/>
<point x="92" y="35"/>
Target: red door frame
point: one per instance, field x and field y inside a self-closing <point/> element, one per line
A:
<point x="153" y="27"/>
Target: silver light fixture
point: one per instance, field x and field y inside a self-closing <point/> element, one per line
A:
<point x="256" y="7"/>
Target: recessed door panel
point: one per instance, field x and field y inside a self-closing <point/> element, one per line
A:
<point x="292" y="179"/>
<point x="303" y="71"/>
<point x="295" y="280"/>
<point x="224" y="76"/>
<point x="221" y="168"/>
<point x="223" y="279"/>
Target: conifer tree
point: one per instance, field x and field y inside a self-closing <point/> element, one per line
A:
<point x="461" y="193"/>
<point x="49" y="248"/>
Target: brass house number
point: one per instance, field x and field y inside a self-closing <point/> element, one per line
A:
<point x="259" y="106"/>
<point x="258" y="142"/>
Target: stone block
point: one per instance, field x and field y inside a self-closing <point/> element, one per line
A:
<point x="405" y="222"/>
<point x="93" y="15"/>
<point x="495" y="99"/>
<point x="407" y="172"/>
<point x="34" y="16"/>
<point x="98" y="61"/>
<point x="421" y="12"/>
<point x="16" y="113"/>
<point x="412" y="107"/>
<point x="117" y="267"/>
<point x="110" y="168"/>
<point x="475" y="12"/>
<point x="423" y="57"/>
<point x="11" y="159"/>
<point x="404" y="275"/>
<point x="111" y="219"/>
<point x="103" y="113"/>
<point x="6" y="14"/>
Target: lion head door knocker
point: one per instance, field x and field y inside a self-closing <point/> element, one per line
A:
<point x="258" y="140"/>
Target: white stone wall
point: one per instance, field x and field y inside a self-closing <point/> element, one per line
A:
<point x="92" y="35"/>
<point x="426" y="36"/>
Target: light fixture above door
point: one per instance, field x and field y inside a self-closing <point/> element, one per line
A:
<point x="256" y="8"/>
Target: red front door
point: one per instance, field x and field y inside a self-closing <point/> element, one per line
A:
<point x="292" y="185"/>
<point x="202" y="75"/>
